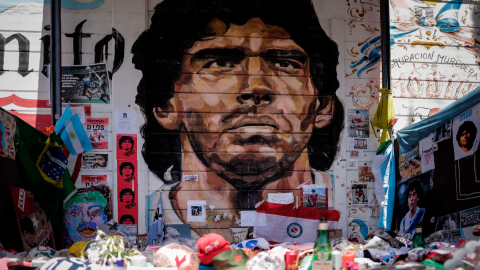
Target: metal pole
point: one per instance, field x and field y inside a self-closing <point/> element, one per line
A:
<point x="385" y="39"/>
<point x="56" y="66"/>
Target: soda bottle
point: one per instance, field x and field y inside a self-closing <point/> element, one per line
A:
<point x="322" y="251"/>
<point x="418" y="240"/>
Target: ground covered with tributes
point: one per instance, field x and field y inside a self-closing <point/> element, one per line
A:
<point x="212" y="251"/>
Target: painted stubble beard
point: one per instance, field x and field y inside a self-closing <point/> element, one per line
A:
<point x="249" y="171"/>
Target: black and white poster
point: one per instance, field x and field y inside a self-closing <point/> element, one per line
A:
<point x="465" y="132"/>
<point x="95" y="161"/>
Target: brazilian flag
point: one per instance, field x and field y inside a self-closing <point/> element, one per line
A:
<point x="46" y="167"/>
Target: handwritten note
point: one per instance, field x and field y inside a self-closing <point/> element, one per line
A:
<point x="281" y="198"/>
<point x="248" y="218"/>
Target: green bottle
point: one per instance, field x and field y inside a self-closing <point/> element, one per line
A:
<point x="418" y="240"/>
<point x="322" y="251"/>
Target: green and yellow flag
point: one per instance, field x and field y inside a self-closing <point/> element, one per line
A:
<point x="46" y="167"/>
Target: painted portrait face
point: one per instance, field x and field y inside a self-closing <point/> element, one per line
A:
<point x="413" y="199"/>
<point x="83" y="219"/>
<point x="127" y="145"/>
<point x="127" y="221"/>
<point x="127" y="171"/>
<point x="99" y="161"/>
<point x="127" y="197"/>
<point x="251" y="113"/>
<point x="30" y="238"/>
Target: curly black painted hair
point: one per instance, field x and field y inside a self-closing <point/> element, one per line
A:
<point x="125" y="217"/>
<point x="177" y="24"/>
<point x="417" y="186"/>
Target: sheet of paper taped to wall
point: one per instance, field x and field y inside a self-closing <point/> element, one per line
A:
<point x="281" y="198"/>
<point x="190" y="178"/>
<point x="125" y="122"/>
<point x="248" y="218"/>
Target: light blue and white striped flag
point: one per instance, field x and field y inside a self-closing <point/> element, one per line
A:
<point x="71" y="130"/>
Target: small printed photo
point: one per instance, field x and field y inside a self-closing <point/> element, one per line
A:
<point x="444" y="132"/>
<point x="354" y="154"/>
<point x="359" y="194"/>
<point x="196" y="211"/>
<point x="314" y="196"/>
<point x="358" y="121"/>
<point x="352" y="164"/>
<point x="360" y="144"/>
<point x="365" y="173"/>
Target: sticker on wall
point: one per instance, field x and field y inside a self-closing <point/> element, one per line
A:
<point x="358" y="121"/>
<point x="85" y="84"/>
<point x="196" y="211"/>
<point x="125" y="122"/>
<point x="428" y="162"/>
<point x="97" y="130"/>
<point x="352" y="164"/>
<point x="93" y="180"/>
<point x="365" y="173"/>
<point x="95" y="161"/>
<point x="7" y="134"/>
<point x="465" y="132"/>
<point x="34" y="225"/>
<point x="444" y="132"/>
<point x="127" y="172"/>
<point x="190" y="178"/>
<point x="360" y="144"/>
<point x="127" y="146"/>
<point x="359" y="194"/>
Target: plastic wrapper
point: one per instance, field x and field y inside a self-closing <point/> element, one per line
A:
<point x="405" y="241"/>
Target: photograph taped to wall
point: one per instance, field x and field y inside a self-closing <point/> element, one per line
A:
<point x="410" y="163"/>
<point x="360" y="144"/>
<point x="359" y="194"/>
<point x="95" y="161"/>
<point x="442" y="133"/>
<point x="86" y="84"/>
<point x="365" y="173"/>
<point x="34" y="225"/>
<point x="465" y="132"/>
<point x="358" y="123"/>
<point x="449" y="222"/>
<point x="97" y="131"/>
<point x="411" y="196"/>
<point x="93" y="180"/>
<point x="314" y="196"/>
<point x="352" y="164"/>
<point x="196" y="211"/>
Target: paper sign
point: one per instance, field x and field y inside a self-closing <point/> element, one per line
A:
<point x="426" y="145"/>
<point x="125" y="122"/>
<point x="248" y="218"/>
<point x="196" y="211"/>
<point x="190" y="178"/>
<point x="281" y="198"/>
<point x="239" y="234"/>
<point x="93" y="180"/>
<point x="428" y="162"/>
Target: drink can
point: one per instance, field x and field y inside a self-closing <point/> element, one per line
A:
<point x="291" y="260"/>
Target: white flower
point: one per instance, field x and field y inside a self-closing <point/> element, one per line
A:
<point x="224" y="216"/>
<point x="212" y="207"/>
<point x="217" y="218"/>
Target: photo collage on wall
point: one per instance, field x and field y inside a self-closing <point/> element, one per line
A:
<point x="127" y="178"/>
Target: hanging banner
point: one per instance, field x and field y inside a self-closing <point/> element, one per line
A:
<point x="34" y="225"/>
<point x="97" y="130"/>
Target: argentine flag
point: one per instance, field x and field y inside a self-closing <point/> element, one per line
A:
<point x="71" y="130"/>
